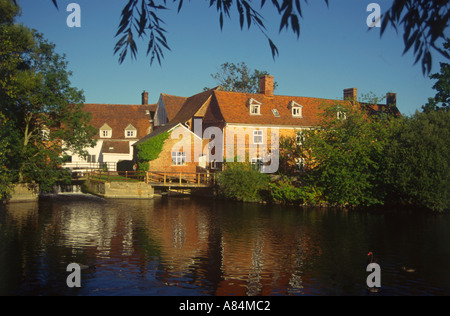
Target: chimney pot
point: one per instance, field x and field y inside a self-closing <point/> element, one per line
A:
<point x="351" y="94"/>
<point x="144" y="98"/>
<point x="391" y="99"/>
<point x="266" y="85"/>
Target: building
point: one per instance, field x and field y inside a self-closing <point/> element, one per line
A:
<point x="119" y="127"/>
<point x="237" y="126"/>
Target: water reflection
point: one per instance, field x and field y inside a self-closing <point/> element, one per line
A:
<point x="184" y="246"/>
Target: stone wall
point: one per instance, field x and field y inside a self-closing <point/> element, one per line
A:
<point x="24" y="193"/>
<point x="120" y="190"/>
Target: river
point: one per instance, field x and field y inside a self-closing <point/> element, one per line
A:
<point x="181" y="246"/>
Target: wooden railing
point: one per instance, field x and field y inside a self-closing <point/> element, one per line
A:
<point x="191" y="179"/>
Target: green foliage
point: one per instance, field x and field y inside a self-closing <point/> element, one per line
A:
<point x="424" y="24"/>
<point x="417" y="161"/>
<point x="238" y="78"/>
<point x="45" y="114"/>
<point x="150" y="150"/>
<point x="442" y="98"/>
<point x="347" y="153"/>
<point x="285" y="191"/>
<point x="5" y="174"/>
<point x="241" y="182"/>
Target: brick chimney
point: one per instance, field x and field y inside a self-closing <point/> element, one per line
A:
<point x="351" y="94"/>
<point x="391" y="99"/>
<point x="144" y="98"/>
<point x="266" y="85"/>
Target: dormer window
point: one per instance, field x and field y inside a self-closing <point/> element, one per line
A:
<point x="255" y="107"/>
<point x="105" y="131"/>
<point x="130" y="131"/>
<point x="297" y="109"/>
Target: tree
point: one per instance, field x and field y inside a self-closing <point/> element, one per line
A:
<point x="347" y="153"/>
<point x="442" y="98"/>
<point x="46" y="120"/>
<point x="424" y="24"/>
<point x="417" y="161"/>
<point x="5" y="173"/>
<point x="238" y="78"/>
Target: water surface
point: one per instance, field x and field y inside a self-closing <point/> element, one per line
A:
<point x="186" y="246"/>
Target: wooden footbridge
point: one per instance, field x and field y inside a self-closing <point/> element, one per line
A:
<point x="157" y="179"/>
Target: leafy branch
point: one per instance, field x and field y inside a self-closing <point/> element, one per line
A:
<point x="424" y="24"/>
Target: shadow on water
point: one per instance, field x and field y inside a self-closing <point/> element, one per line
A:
<point x="186" y="246"/>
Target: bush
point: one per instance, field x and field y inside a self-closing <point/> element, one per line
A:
<point x="150" y="150"/>
<point x="241" y="182"/>
<point x="286" y="192"/>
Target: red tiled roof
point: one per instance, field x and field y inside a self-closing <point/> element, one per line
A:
<point x="194" y="105"/>
<point x="173" y="104"/>
<point x="119" y="116"/>
<point x="233" y="107"/>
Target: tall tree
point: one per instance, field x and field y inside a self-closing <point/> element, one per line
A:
<point x="417" y="161"/>
<point x="239" y="78"/>
<point x="442" y="98"/>
<point x="46" y="120"/>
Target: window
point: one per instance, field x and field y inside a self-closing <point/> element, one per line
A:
<point x="105" y="131"/>
<point x="130" y="134"/>
<point x="45" y="133"/>
<point x="214" y="164"/>
<point x="255" y="107"/>
<point x="91" y="159"/>
<point x="297" y="111"/>
<point x="275" y="113"/>
<point x="130" y="131"/>
<point x="258" y="164"/>
<point x="258" y="137"/>
<point x="105" y="134"/>
<point x="300" y="162"/>
<point x="178" y="158"/>
<point x="300" y="138"/>
<point x="341" y="115"/>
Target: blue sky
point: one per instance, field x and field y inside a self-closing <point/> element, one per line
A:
<point x="335" y="51"/>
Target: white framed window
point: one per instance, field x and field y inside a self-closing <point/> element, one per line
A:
<point x="178" y="158"/>
<point x="258" y="138"/>
<point x="297" y="111"/>
<point x="214" y="164"/>
<point x="105" y="133"/>
<point x="255" y="107"/>
<point x="130" y="134"/>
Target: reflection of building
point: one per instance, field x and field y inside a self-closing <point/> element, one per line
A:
<point x="177" y="242"/>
